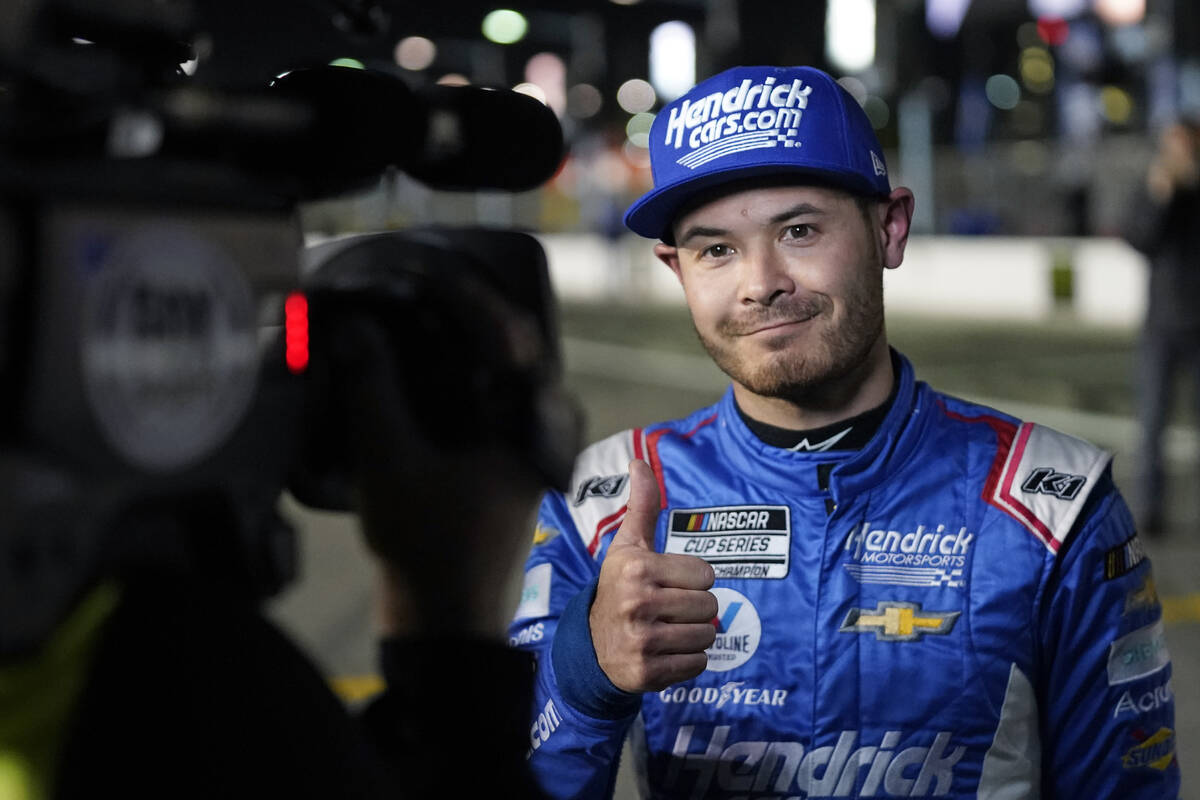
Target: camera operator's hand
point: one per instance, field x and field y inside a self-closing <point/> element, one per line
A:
<point x="651" y="620"/>
<point x="450" y="527"/>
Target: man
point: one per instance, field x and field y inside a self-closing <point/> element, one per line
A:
<point x="835" y="581"/>
<point x="1162" y="224"/>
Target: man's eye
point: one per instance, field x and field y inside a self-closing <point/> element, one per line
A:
<point x="716" y="251"/>
<point x="801" y="231"/>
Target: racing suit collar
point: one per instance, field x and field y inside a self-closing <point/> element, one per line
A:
<point x="856" y="471"/>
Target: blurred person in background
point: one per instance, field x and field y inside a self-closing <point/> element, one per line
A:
<point x="835" y="581"/>
<point x="1164" y="223"/>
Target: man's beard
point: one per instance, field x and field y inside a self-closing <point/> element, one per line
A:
<point x="802" y="375"/>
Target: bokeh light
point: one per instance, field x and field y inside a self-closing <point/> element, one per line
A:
<point x="349" y="63"/>
<point x="877" y="111"/>
<point x="548" y="72"/>
<point x="1063" y="9"/>
<point x="943" y="18"/>
<point x="672" y="59"/>
<point x="453" y="79"/>
<point x="1028" y="118"/>
<point x="1116" y="105"/>
<point x="584" y="101"/>
<point x="415" y="53"/>
<point x="1037" y="70"/>
<point x="1028" y="36"/>
<point x="1119" y="13"/>
<point x="637" y="130"/>
<point x="505" y="26"/>
<point x="636" y="95"/>
<point x="850" y="34"/>
<point x="1053" y="30"/>
<point x="856" y="88"/>
<point x="1003" y="92"/>
<point x="636" y="156"/>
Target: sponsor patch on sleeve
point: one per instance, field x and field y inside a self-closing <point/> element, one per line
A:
<point x="535" y="594"/>
<point x="1045" y="481"/>
<point x="1138" y="654"/>
<point x="1123" y="558"/>
<point x="1154" y="752"/>
<point x="738" y="541"/>
<point x="600" y="486"/>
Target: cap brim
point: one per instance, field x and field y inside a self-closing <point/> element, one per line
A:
<point x="653" y="214"/>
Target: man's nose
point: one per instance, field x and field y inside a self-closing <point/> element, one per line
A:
<point x="765" y="278"/>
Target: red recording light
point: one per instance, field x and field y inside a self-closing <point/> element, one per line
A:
<point x="295" y="321"/>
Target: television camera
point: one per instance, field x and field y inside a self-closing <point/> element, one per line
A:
<point x="167" y="372"/>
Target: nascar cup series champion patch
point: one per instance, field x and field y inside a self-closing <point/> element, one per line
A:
<point x="751" y="122"/>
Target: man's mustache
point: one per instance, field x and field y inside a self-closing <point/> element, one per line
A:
<point x="757" y="317"/>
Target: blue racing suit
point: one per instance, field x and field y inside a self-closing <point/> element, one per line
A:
<point x="962" y="608"/>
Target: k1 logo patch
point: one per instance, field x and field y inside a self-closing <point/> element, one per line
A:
<point x="601" y="486"/>
<point x="1045" y="480"/>
<point x="738" y="541"/>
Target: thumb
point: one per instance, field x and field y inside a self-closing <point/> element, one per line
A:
<point x="637" y="529"/>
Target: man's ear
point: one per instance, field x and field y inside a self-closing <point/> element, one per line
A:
<point x="669" y="255"/>
<point x="895" y="220"/>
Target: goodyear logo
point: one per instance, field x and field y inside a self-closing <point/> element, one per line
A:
<point x="894" y="621"/>
<point x="1156" y="752"/>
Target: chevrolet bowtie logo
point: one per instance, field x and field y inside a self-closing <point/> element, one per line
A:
<point x="894" y="621"/>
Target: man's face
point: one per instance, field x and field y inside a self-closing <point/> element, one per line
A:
<point x="785" y="285"/>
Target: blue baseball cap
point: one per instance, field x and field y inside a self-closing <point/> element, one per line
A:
<point x="750" y="122"/>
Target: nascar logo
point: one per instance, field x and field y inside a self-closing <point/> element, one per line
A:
<point x="738" y="541"/>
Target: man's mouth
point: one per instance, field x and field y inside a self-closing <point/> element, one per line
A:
<point x="776" y="326"/>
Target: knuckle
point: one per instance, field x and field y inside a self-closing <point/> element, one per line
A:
<point x="641" y="641"/>
<point x="635" y="570"/>
<point x="637" y="604"/>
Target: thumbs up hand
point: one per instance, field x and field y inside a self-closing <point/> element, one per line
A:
<point x="651" y="620"/>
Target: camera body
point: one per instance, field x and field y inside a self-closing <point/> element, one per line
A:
<point x="155" y="404"/>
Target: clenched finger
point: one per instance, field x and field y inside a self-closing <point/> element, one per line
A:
<point x="677" y="638"/>
<point x="685" y="605"/>
<point x="672" y="669"/>
<point x="682" y="572"/>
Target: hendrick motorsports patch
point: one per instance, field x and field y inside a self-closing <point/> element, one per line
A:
<point x="738" y="541"/>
